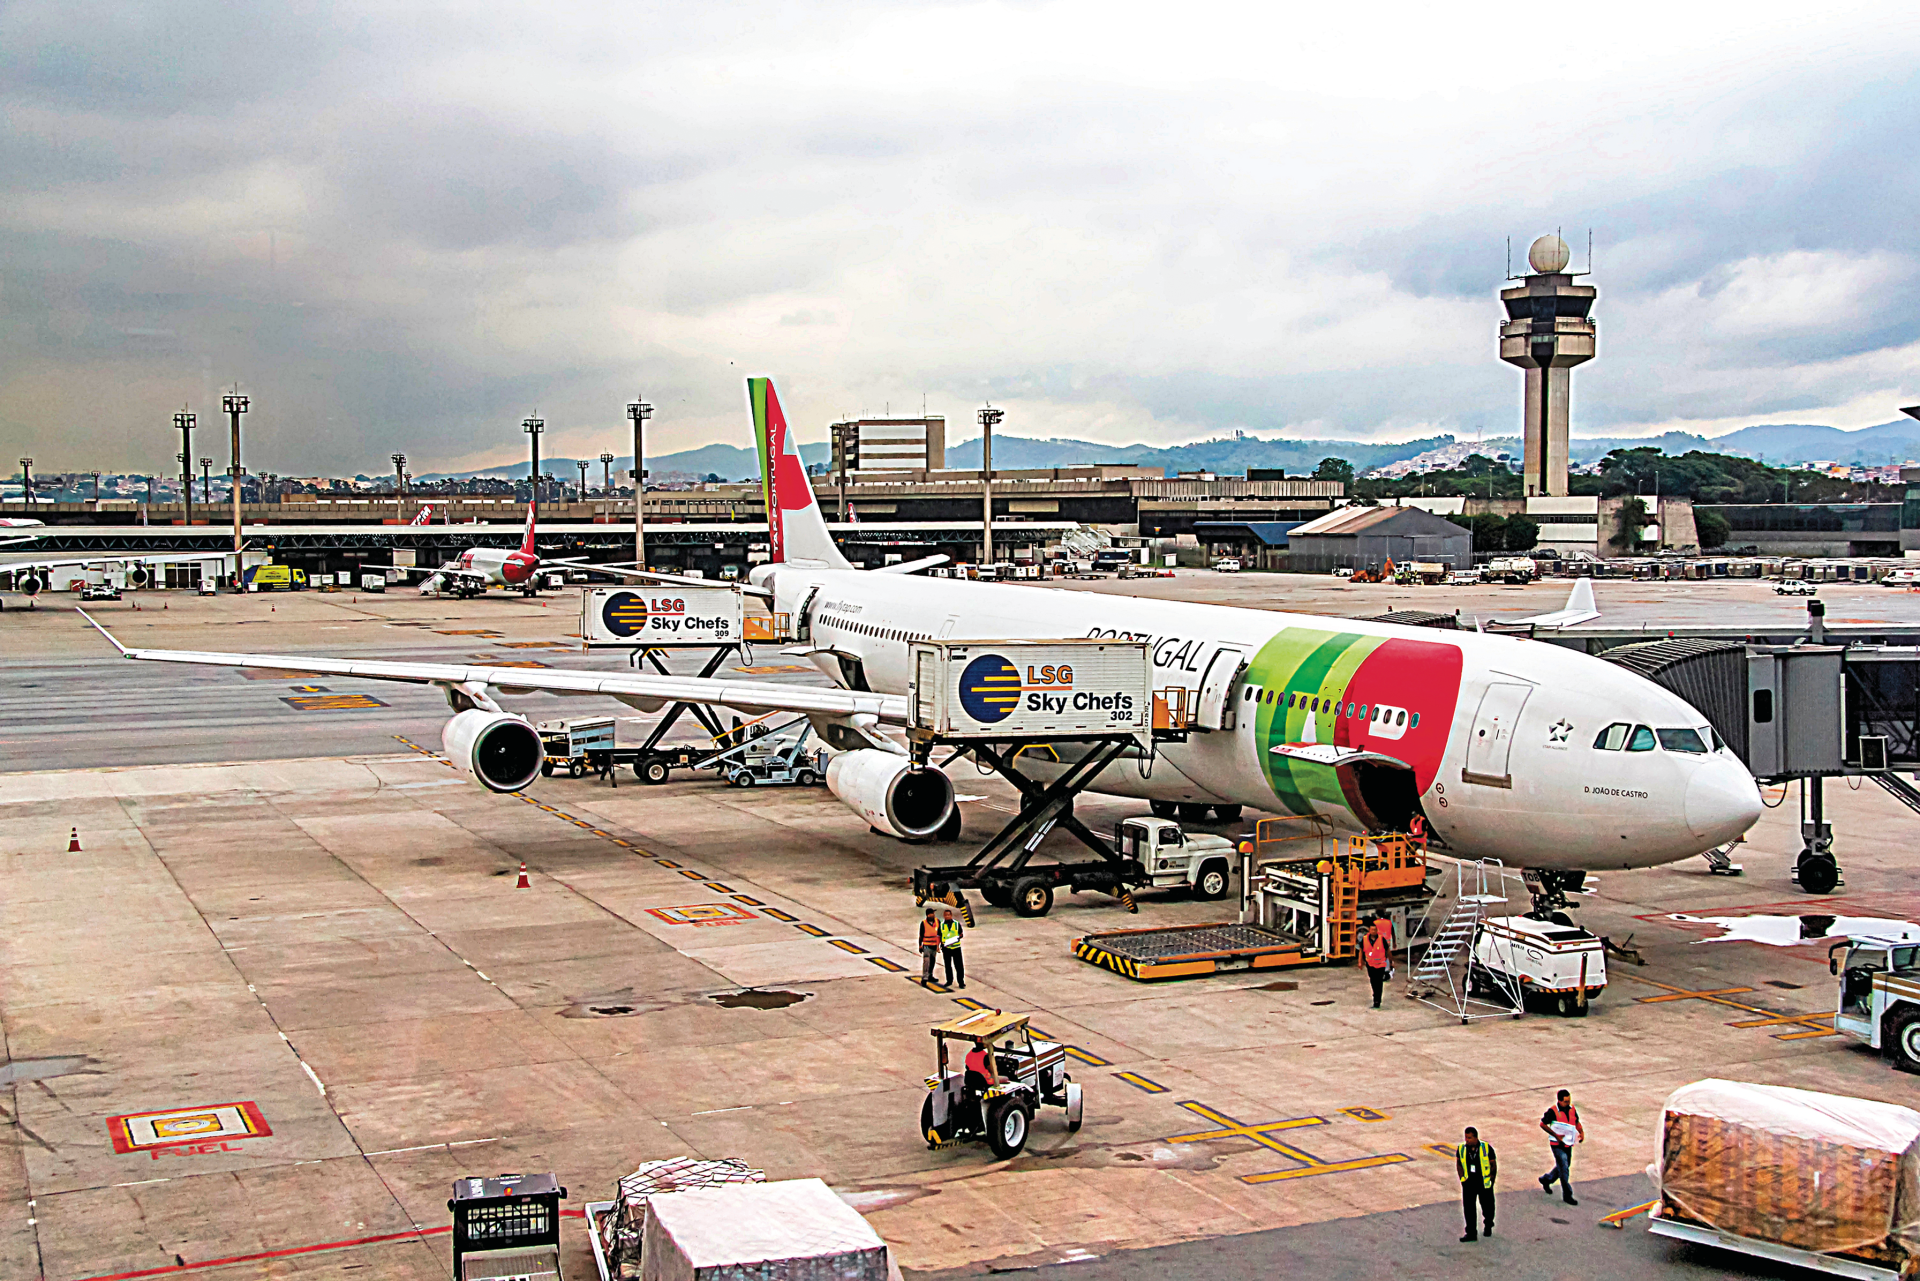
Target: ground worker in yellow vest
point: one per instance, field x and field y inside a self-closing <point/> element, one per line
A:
<point x="1478" y="1166"/>
<point x="950" y="936"/>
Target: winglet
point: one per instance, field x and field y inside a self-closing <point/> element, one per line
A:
<point x="124" y="651"/>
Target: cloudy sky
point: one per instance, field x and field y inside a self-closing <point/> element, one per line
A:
<point x="404" y="226"/>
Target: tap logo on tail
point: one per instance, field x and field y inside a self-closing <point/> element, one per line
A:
<point x="783" y="478"/>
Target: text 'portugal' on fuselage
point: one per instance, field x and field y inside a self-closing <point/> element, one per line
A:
<point x="1507" y="748"/>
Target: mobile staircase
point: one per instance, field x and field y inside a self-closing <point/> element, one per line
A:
<point x="1449" y="976"/>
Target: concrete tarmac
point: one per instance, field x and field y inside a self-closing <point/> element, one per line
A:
<point x="275" y="1006"/>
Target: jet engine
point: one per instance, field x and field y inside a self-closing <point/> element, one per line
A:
<point x="31" y="583"/>
<point x="140" y="576"/>
<point x="500" y="749"/>
<point x="885" y="789"/>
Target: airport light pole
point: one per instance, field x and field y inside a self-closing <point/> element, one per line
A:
<point x="206" y="482"/>
<point x="233" y="406"/>
<point x="96" y="486"/>
<point x="26" y="479"/>
<point x="989" y="418"/>
<point x="400" y="487"/>
<point x="638" y="411"/>
<point x="606" y="475"/>
<point x="184" y="422"/>
<point x="533" y="427"/>
<point x="582" y="464"/>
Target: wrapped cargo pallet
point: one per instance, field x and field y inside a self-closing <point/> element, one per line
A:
<point x="1816" y="1172"/>
<point x="792" y="1231"/>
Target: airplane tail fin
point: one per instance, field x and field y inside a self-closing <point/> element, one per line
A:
<point x="796" y="530"/>
<point x="1580" y="600"/>
<point x="526" y="540"/>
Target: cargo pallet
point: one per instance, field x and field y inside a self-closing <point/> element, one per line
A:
<point x="1831" y="1264"/>
<point x="1187" y="951"/>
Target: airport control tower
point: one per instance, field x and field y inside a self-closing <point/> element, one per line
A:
<point x="1547" y="332"/>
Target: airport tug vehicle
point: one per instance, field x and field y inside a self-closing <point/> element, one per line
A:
<point x="1028" y="1072"/>
<point x="1879" y="999"/>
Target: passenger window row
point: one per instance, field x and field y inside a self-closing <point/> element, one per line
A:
<point x="1639" y="738"/>
<point x="866" y="629"/>
<point x="1314" y="703"/>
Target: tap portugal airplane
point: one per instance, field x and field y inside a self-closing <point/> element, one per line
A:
<point x="1547" y="759"/>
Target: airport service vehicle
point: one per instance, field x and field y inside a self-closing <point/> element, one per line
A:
<point x="1796" y="587"/>
<point x="1555" y="964"/>
<point x="1502" y="747"/>
<point x="1173" y="859"/>
<point x="1879" y="1000"/>
<point x="507" y="1227"/>
<point x="776" y="759"/>
<point x="275" y="578"/>
<point x="373" y="582"/>
<point x="1226" y="565"/>
<point x="207" y="588"/>
<point x="1343" y="571"/>
<point x="572" y="745"/>
<point x="1513" y="569"/>
<point x="99" y="591"/>
<point x="1029" y="1072"/>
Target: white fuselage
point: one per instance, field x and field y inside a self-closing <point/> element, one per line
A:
<point x="1507" y="762"/>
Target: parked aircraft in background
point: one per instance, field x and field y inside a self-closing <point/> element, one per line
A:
<point x="1545" y="758"/>
<point x="478" y="568"/>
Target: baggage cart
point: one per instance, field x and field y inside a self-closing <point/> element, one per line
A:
<point x="571" y="745"/>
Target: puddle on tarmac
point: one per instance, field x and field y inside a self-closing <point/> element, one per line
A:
<point x="1787" y="931"/>
<point x="1131" y="1156"/>
<point x="753" y="998"/>
<point x="15" y="1071"/>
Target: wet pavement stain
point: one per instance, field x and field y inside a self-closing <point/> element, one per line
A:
<point x="753" y="998"/>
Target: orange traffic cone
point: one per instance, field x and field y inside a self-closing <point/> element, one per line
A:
<point x="73" y="842"/>
<point x="523" y="883"/>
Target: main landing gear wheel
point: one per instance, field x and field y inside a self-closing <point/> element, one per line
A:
<point x="1163" y="809"/>
<point x="1819" y="873"/>
<point x="1903" y="1042"/>
<point x="1227" y="813"/>
<point x="1007" y="1127"/>
<point x="651" y="771"/>
<point x="1192" y="813"/>
<point x="1075" y="1105"/>
<point x="1032" y="897"/>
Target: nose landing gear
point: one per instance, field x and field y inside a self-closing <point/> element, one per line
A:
<point x="1816" y="871"/>
<point x="1549" y="889"/>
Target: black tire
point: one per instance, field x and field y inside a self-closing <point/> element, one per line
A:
<point x="1213" y="881"/>
<point x="1819" y="874"/>
<point x="653" y="771"/>
<point x="934" y="1137"/>
<point x="1007" y="1126"/>
<point x="806" y="778"/>
<point x="1561" y="918"/>
<point x="1227" y="813"/>
<point x="743" y="778"/>
<point x="1075" y="1104"/>
<point x="1190" y="813"/>
<point x="546" y="769"/>
<point x="1902" y="1040"/>
<point x="1163" y="809"/>
<point x="576" y="769"/>
<point x="996" y="894"/>
<point x="1032" y="897"/>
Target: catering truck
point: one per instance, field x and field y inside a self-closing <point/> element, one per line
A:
<point x="1879" y="997"/>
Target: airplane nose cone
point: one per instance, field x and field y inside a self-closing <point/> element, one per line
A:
<point x="1722" y="802"/>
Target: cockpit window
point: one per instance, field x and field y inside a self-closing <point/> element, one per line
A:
<point x="1641" y="740"/>
<point x="1713" y="736"/>
<point x="1683" y="740"/>
<point x="1613" y="737"/>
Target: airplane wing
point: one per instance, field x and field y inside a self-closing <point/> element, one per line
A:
<point x="1333" y="754"/>
<point x="672" y="580"/>
<point x="430" y="571"/>
<point x="1580" y="608"/>
<point x="648" y="693"/>
<point x="157" y="558"/>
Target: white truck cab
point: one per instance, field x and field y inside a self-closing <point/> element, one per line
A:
<point x="1173" y="858"/>
<point x="1879" y="998"/>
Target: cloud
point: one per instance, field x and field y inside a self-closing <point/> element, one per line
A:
<point x="408" y="226"/>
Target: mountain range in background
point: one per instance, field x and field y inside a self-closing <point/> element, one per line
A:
<point x="1773" y="443"/>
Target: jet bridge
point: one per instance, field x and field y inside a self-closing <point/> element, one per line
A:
<point x="1801" y="712"/>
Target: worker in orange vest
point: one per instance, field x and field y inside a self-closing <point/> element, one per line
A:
<point x="929" y="948"/>
<point x="1376" y="953"/>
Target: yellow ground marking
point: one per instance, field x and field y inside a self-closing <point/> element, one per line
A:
<point x="1139" y="1082"/>
<point x="968" y="1002"/>
<point x="1364" y="1114"/>
<point x="748" y="899"/>
<point x="814" y="930"/>
<point x="724" y="889"/>
<point x="1815" y="1025"/>
<point x="778" y="915"/>
<point x="331" y="702"/>
<point x="887" y="965"/>
<point x="1263" y="1134"/>
<point x="845" y="946"/>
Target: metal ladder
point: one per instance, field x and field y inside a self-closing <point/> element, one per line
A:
<point x="1899" y="788"/>
<point x="1445" y="976"/>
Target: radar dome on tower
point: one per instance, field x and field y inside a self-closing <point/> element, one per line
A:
<point x="1549" y="255"/>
